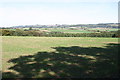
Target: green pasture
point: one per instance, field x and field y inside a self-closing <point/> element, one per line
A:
<point x="41" y="57"/>
<point x="68" y="30"/>
<point x="65" y="30"/>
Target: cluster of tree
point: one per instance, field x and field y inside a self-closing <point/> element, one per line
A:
<point x="19" y="32"/>
<point x="116" y="33"/>
<point x="58" y="34"/>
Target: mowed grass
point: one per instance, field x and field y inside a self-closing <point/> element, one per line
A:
<point x="46" y="48"/>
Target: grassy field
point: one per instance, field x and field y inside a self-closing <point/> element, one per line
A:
<point x="68" y="30"/>
<point x="65" y="30"/>
<point x="40" y="57"/>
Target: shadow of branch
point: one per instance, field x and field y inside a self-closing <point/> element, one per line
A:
<point x="74" y="62"/>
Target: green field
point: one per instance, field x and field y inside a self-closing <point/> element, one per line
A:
<point x="76" y="30"/>
<point x="65" y="30"/>
<point x="40" y="57"/>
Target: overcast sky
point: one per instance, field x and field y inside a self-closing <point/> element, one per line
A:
<point x="32" y="12"/>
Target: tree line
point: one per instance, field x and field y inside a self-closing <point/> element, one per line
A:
<point x="18" y="32"/>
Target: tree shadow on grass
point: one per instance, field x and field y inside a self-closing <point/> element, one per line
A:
<point x="72" y="62"/>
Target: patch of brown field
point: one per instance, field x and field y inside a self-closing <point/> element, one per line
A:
<point x="44" y="30"/>
<point x="112" y="42"/>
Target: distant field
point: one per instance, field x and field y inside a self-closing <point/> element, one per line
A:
<point x="72" y="31"/>
<point x="67" y="30"/>
<point x="59" y="56"/>
<point x="104" y="29"/>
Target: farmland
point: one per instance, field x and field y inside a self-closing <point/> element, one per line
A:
<point x="55" y="39"/>
<point x="74" y="30"/>
<point x="40" y="57"/>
